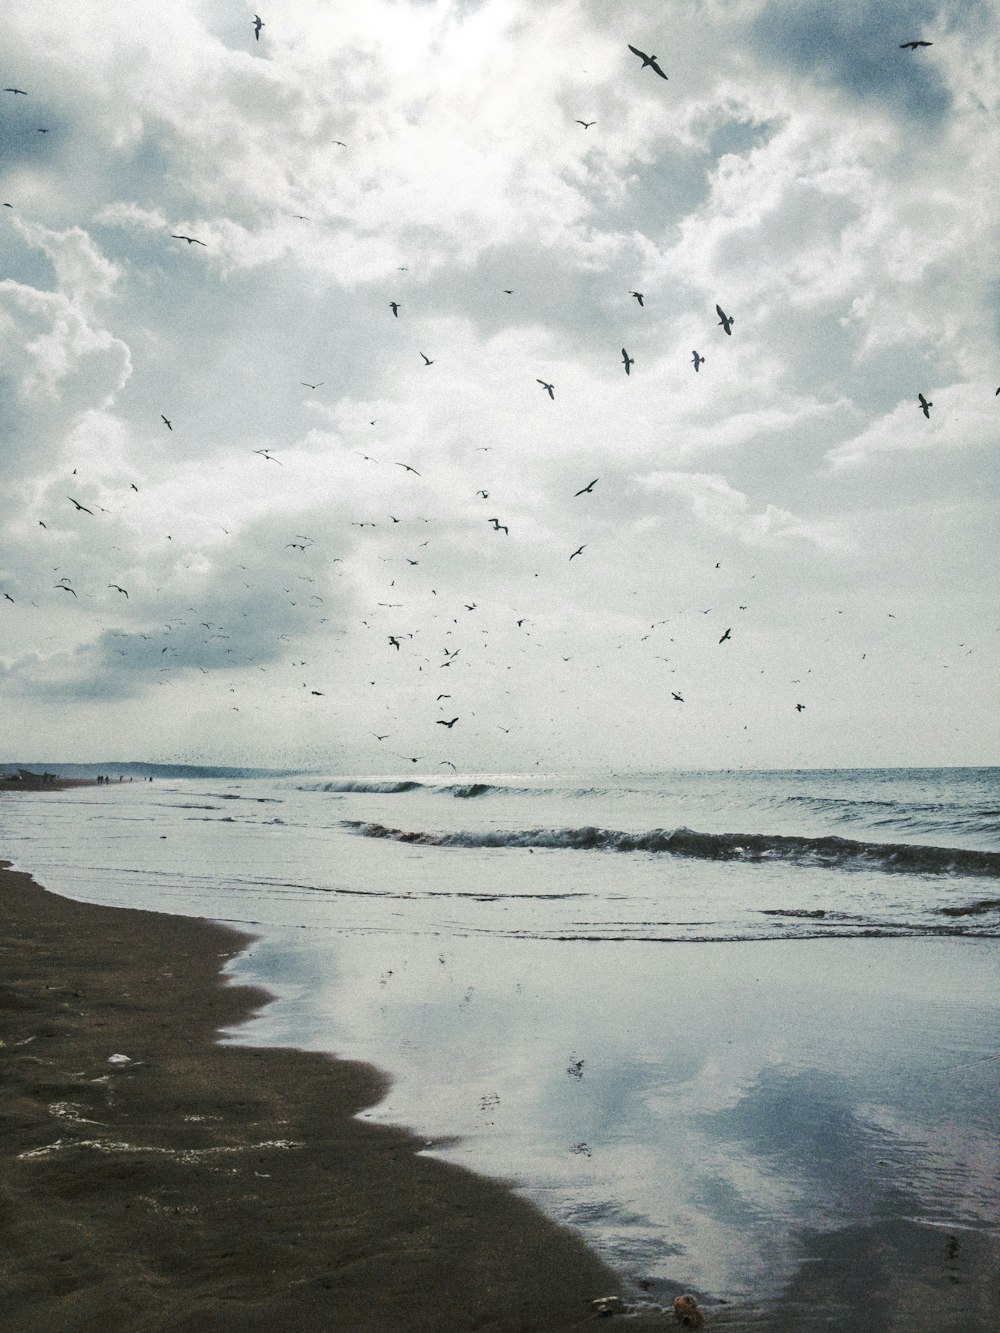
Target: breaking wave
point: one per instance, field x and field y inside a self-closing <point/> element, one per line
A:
<point x="829" y="852"/>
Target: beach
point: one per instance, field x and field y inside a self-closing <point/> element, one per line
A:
<point x="271" y="1068"/>
<point x="207" y="1187"/>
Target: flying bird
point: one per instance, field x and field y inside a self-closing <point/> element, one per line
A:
<point x="629" y="361"/>
<point x="311" y="386"/>
<point x="266" y="453"/>
<point x="117" y="588"/>
<point x="579" y="550"/>
<point x="498" y="526"/>
<point x="394" y="307"/>
<point x="258" y="23"/>
<point x="427" y="360"/>
<point x="675" y="695"/>
<point x="585" y="490"/>
<point x="19" y="91"/>
<point x="442" y="723"/>
<point x="586" y="123"/>
<point x="191" y="240"/>
<point x="912" y="46"/>
<point x="65" y="588"/>
<point x="647" y="60"/>
<point x="925" y="406"/>
<point x="409" y="469"/>
<point x="696" y="360"/>
<point x="549" y="388"/>
<point x="167" y="423"/>
<point x="728" y="634"/>
<point x="638" y="296"/>
<point x="799" y="708"/>
<point x="727" y="321"/>
<point x="80" y="506"/>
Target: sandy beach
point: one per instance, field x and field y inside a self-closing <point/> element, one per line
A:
<point x="206" y="1187"/>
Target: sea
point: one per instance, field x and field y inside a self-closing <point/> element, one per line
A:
<point x="737" y="1029"/>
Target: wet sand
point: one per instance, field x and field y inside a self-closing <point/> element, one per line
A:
<point x="202" y="1187"/>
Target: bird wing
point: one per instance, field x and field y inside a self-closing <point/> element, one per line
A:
<point x="653" y="65"/>
<point x="635" y="51"/>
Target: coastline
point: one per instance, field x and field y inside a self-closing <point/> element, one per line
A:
<point x="207" y="1187"/>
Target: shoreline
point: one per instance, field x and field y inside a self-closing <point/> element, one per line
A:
<point x="200" y="1186"/>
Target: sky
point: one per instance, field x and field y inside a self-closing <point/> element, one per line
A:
<point x="334" y="548"/>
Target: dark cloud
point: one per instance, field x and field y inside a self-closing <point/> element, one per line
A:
<point x="854" y="46"/>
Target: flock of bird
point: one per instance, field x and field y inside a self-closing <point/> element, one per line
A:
<point x="303" y="545"/>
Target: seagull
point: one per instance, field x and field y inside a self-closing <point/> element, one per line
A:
<point x="80" y="506"/>
<point x="409" y="469"/>
<point x="799" y="707"/>
<point x="628" y="360"/>
<point x="696" y="360"/>
<point x="647" y="60"/>
<point x="586" y="123"/>
<point x="579" y="550"/>
<point x="498" y="526"/>
<point x="675" y="695"/>
<point x="725" y="636"/>
<point x="384" y="736"/>
<point x="164" y="419"/>
<point x="549" y="388"/>
<point x="585" y="490"/>
<point x="427" y="360"/>
<point x="912" y="46"/>
<point x="7" y="594"/>
<point x="394" y="641"/>
<point x="638" y="296"/>
<point x="727" y="321"/>
<point x="485" y="495"/>
<point x="258" y="23"/>
<point x="925" y="406"/>
<point x="266" y="453"/>
<point x="19" y="91"/>
<point x="63" y="586"/>
<point x="311" y="386"/>
<point x="191" y="240"/>
<point x="394" y="307"/>
<point x="117" y="588"/>
<point x="441" y="722"/>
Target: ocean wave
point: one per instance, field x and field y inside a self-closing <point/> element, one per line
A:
<point x="830" y="851"/>
<point x="390" y="788"/>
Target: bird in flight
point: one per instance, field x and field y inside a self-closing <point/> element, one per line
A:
<point x="394" y="307"/>
<point x="498" y="526"/>
<point x="585" y="490"/>
<point x="311" y="386"/>
<point x="164" y="420"/>
<point x="549" y="388"/>
<point x="638" y="296"/>
<point x="65" y="587"/>
<point x="727" y="635"/>
<point x="441" y="722"/>
<point x="117" y="588"/>
<point x="727" y="321"/>
<point x="579" y="550"/>
<point x="586" y="123"/>
<point x="266" y="453"/>
<point x="191" y="240"/>
<point x="19" y="91"/>
<point x="799" y="708"/>
<point x="647" y="60"/>
<point x="80" y="506"/>
<point x="427" y="360"/>
<point x="628" y="361"/>
<point x="408" y="468"/>
<point x="912" y="46"/>
<point x="696" y="360"/>
<point x="258" y="23"/>
<point x="675" y="695"/>
<point x="925" y="406"/>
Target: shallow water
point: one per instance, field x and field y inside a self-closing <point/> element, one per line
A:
<point x="655" y="1047"/>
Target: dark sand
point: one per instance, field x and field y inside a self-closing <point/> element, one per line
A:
<point x="203" y="1187"/>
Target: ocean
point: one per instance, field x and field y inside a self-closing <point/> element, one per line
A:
<point x="730" y="1026"/>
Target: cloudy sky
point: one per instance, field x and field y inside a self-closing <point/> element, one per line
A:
<point x="291" y="591"/>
